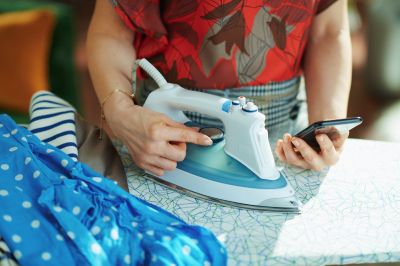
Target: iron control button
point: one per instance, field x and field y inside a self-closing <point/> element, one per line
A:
<point x="250" y="107"/>
<point x="242" y="100"/>
<point x="235" y="105"/>
<point x="216" y="134"/>
<point x="226" y="106"/>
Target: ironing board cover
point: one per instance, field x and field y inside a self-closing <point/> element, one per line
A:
<point x="351" y="214"/>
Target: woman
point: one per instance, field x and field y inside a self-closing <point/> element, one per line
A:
<point x="258" y="49"/>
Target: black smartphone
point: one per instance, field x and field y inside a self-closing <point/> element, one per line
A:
<point x="328" y="127"/>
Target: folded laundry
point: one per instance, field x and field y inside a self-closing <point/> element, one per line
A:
<point x="56" y="122"/>
<point x="57" y="211"/>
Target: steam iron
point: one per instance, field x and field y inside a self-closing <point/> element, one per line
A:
<point x="239" y="170"/>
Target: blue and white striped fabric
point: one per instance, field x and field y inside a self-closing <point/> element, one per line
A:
<point x="53" y="122"/>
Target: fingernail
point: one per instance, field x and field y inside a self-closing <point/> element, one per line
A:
<point x="207" y="141"/>
<point x="295" y="142"/>
<point x="321" y="138"/>
<point x="287" y="138"/>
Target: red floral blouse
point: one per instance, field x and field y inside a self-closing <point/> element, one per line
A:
<point x="221" y="44"/>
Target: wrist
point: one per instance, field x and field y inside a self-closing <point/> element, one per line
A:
<point x="115" y="104"/>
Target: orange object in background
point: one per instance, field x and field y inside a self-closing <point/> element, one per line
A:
<point x="25" y="39"/>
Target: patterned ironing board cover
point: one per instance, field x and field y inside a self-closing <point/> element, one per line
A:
<point x="351" y="214"/>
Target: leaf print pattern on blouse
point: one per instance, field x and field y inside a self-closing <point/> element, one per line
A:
<point x="221" y="44"/>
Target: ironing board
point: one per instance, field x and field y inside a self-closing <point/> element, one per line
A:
<point x="351" y="213"/>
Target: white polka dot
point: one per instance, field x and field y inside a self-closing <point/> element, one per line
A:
<point x="27" y="160"/>
<point x="175" y="223"/>
<point x="127" y="259"/>
<point x="154" y="258"/>
<point x="59" y="237"/>
<point x="46" y="256"/>
<point x="7" y="135"/>
<point x="13" y="149"/>
<point x="24" y="139"/>
<point x="57" y="208"/>
<point x="172" y="264"/>
<point x="106" y="218"/>
<point x="16" y="238"/>
<point x="35" y="224"/>
<point x="76" y="192"/>
<point x="97" y="179"/>
<point x="96" y="249"/>
<point x="166" y="238"/>
<point x="170" y="228"/>
<point x="5" y="167"/>
<point x="62" y="177"/>
<point x="95" y="230"/>
<point x="207" y="263"/>
<point x="64" y="162"/>
<point x="49" y="151"/>
<point x="36" y="174"/>
<point x="114" y="234"/>
<point x="134" y="224"/>
<point x="76" y="210"/>
<point x="84" y="183"/>
<point x="186" y="250"/>
<point x="14" y="131"/>
<point x="150" y="233"/>
<point x="114" y="209"/>
<point x="139" y="235"/>
<point x="7" y="218"/>
<point x="19" y="177"/>
<point x="1" y="125"/>
<point x="71" y="234"/>
<point x="26" y="204"/>
<point x="3" y="192"/>
<point x="17" y="254"/>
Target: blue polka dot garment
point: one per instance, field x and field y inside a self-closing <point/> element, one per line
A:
<point x="55" y="211"/>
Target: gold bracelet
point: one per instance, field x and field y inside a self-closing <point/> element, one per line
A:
<point x="103" y="118"/>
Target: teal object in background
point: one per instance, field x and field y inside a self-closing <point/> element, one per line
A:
<point x="63" y="75"/>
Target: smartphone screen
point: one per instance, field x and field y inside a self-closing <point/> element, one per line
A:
<point x="332" y="128"/>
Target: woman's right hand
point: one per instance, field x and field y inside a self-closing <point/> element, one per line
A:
<point x="155" y="142"/>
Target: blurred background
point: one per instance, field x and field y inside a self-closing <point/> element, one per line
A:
<point x="42" y="46"/>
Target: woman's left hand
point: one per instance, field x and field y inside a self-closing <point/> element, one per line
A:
<point x="308" y="158"/>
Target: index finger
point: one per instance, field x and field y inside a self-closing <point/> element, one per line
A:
<point x="182" y="134"/>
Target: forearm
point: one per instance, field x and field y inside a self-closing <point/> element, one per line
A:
<point x="327" y="65"/>
<point x="110" y="56"/>
<point x="110" y="64"/>
<point x="328" y="77"/>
